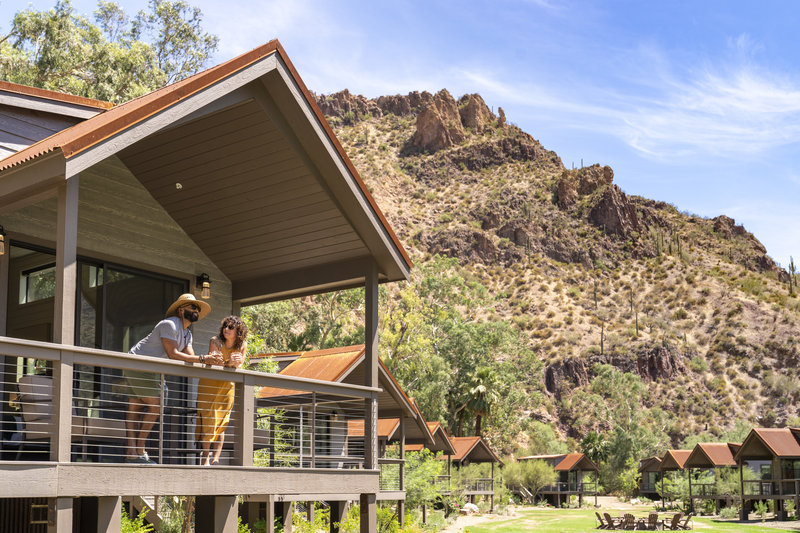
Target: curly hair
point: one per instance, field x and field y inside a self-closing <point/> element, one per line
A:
<point x="240" y="328"/>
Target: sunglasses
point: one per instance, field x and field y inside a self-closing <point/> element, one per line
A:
<point x="229" y="326"/>
<point x="194" y="307"/>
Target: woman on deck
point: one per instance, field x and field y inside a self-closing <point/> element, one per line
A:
<point x="214" y="397"/>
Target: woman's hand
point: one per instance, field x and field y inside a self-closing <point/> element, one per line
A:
<point x="214" y="358"/>
<point x="237" y="359"/>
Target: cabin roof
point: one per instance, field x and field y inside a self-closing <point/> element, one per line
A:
<point x="565" y="462"/>
<point x="472" y="449"/>
<point x="768" y="443"/>
<point x="674" y="459"/>
<point x="650" y="464"/>
<point x="345" y="364"/>
<point x="8" y="88"/>
<point x="242" y="158"/>
<point x="712" y="455"/>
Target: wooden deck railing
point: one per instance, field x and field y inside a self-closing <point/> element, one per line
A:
<point x="71" y="407"/>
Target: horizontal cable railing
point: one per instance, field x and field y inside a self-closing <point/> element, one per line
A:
<point x="390" y="474"/>
<point x="589" y="487"/>
<point x="76" y="404"/>
<point x="483" y="484"/>
<point x="442" y="483"/>
<point x="771" y="487"/>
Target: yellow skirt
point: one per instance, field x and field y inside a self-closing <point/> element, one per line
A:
<point x="214" y="404"/>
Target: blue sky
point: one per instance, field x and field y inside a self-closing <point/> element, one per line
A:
<point x="696" y="103"/>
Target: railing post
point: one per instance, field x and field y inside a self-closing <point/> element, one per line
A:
<point x="244" y="404"/>
<point x="313" y="436"/>
<point x="61" y="439"/>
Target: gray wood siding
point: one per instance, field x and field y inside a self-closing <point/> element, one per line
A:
<point x="20" y="128"/>
<point x="119" y="221"/>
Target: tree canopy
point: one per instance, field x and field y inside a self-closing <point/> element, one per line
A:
<point x="115" y="58"/>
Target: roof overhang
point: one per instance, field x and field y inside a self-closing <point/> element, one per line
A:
<point x="241" y="157"/>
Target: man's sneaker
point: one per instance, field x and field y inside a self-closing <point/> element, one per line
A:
<point x="143" y="459"/>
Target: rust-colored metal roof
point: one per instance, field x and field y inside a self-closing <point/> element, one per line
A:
<point x="74" y="140"/>
<point x="564" y="462"/>
<point x="327" y="365"/>
<point x="712" y="455"/>
<point x="674" y="459"/>
<point x="473" y="449"/>
<point x="781" y="442"/>
<point x="386" y="428"/>
<point x="54" y="95"/>
<point x="650" y="464"/>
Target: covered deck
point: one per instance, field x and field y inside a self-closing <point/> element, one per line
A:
<point x="232" y="177"/>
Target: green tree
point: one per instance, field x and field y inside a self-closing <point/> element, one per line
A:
<point x="114" y="59"/>
<point x="484" y="392"/>
<point x="532" y="475"/>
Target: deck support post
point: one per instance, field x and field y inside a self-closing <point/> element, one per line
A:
<point x="250" y="511"/>
<point x="369" y="513"/>
<point x="216" y="514"/>
<point x="691" y="499"/>
<point x="742" y="511"/>
<point x="283" y="511"/>
<point x="109" y="514"/>
<point x="338" y="513"/>
<point x="369" y="516"/>
<point x="59" y="515"/>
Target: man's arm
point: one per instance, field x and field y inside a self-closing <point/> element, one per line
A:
<point x="187" y="355"/>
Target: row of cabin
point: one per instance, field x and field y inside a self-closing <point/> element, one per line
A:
<point x="229" y="184"/>
<point x="770" y="456"/>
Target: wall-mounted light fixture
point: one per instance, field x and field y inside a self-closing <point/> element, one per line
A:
<point x="2" y="241"/>
<point x="204" y="284"/>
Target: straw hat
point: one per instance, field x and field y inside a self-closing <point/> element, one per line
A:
<point x="185" y="299"/>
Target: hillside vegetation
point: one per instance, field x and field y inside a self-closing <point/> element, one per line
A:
<point x="548" y="309"/>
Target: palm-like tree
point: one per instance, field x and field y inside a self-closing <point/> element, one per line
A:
<point x="483" y="392"/>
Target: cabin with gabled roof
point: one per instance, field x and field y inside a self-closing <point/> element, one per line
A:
<point x="572" y="470"/>
<point x="229" y="184"/>
<point x="649" y="476"/>
<point x="709" y="457"/>
<point x="774" y="455"/>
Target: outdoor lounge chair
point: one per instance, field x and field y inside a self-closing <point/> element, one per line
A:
<point x="600" y="519"/>
<point x="36" y="403"/>
<point x="628" y="521"/>
<point x="686" y="523"/>
<point x="674" y="523"/>
<point x="652" y="521"/>
<point x="610" y="522"/>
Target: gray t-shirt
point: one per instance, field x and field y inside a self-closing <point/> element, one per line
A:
<point x="169" y="328"/>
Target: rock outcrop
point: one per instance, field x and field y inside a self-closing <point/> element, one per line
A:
<point x="615" y="214"/>
<point x="580" y="182"/>
<point x="439" y="124"/>
<point x="475" y="114"/>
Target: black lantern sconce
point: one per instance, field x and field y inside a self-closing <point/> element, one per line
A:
<point x="2" y="241"/>
<point x="204" y="284"/>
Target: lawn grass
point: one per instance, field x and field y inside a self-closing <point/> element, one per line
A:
<point x="580" y="521"/>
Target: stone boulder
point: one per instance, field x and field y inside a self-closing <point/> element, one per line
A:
<point x="439" y="124"/>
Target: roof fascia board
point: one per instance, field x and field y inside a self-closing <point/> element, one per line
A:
<point x="29" y="180"/>
<point x="408" y="409"/>
<point x="292" y="91"/>
<point x="166" y="117"/>
<point x="47" y="106"/>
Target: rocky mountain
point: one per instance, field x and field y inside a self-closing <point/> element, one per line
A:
<point x="589" y="274"/>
